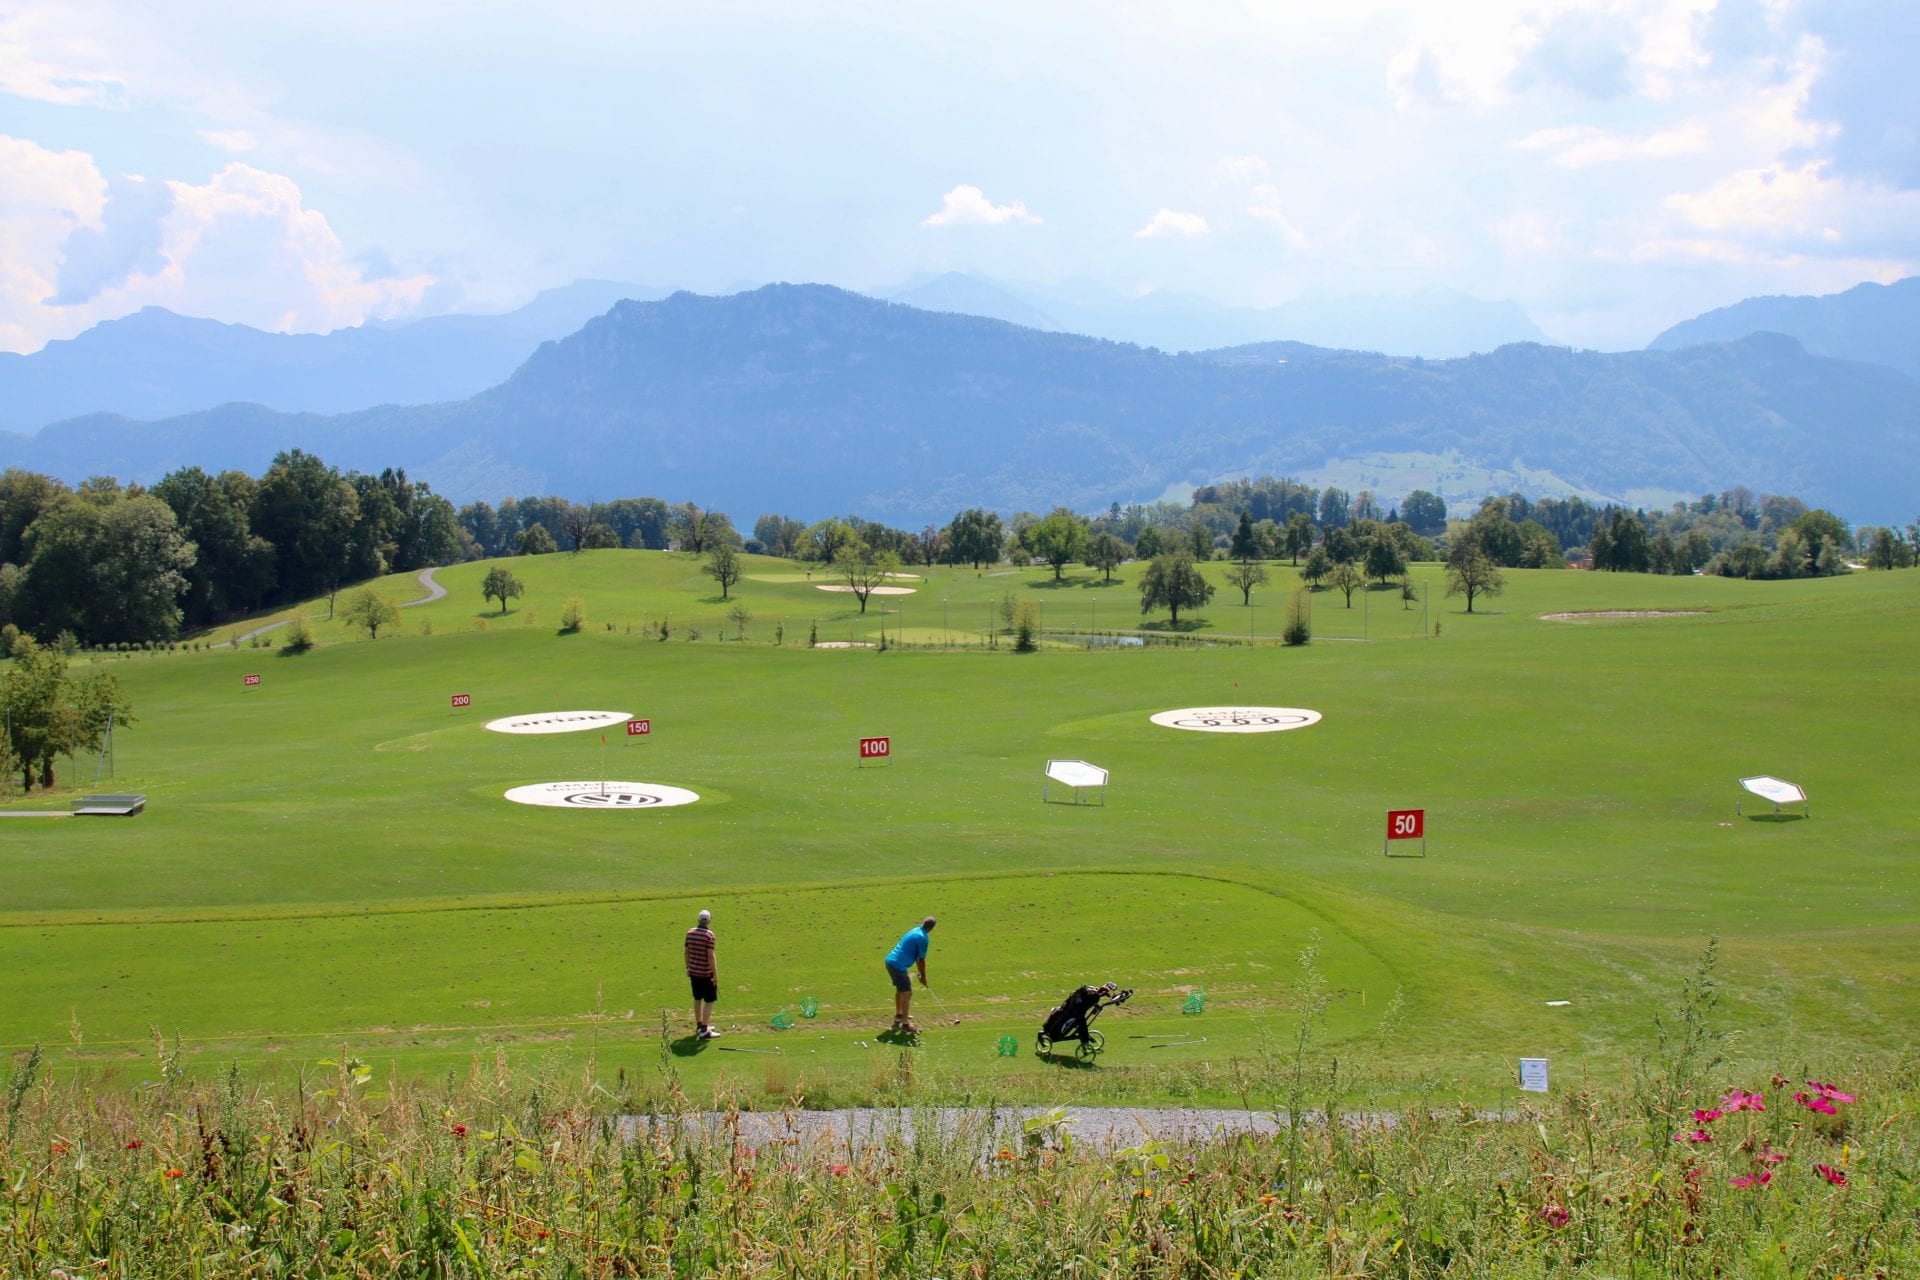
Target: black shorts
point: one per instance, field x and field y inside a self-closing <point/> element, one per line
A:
<point x="901" y="982"/>
<point x="704" y="989"/>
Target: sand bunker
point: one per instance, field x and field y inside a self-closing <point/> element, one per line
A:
<point x="877" y="591"/>
<point x="1237" y="719"/>
<point x="1623" y="613"/>
<point x="601" y="795"/>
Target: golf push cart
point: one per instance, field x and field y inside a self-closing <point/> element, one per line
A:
<point x="1073" y="1020"/>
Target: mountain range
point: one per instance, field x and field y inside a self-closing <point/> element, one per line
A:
<point x="1878" y="323"/>
<point x="155" y="364"/>
<point x="808" y="400"/>
<point x="1435" y="324"/>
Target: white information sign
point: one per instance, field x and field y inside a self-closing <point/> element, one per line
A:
<point x="557" y="721"/>
<point x="1533" y="1075"/>
<point x="602" y="795"/>
<point x="1237" y="719"/>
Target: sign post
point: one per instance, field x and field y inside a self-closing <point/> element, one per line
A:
<point x="639" y="728"/>
<point x="460" y="700"/>
<point x="1405" y="824"/>
<point x="1533" y="1075"/>
<point x="250" y="679"/>
<point x="878" y="750"/>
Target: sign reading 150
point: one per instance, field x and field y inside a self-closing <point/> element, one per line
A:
<point x="1406" y="824"/>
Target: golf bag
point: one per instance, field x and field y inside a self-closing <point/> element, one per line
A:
<point x="1073" y="1018"/>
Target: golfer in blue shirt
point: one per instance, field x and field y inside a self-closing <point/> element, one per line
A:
<point x="911" y="950"/>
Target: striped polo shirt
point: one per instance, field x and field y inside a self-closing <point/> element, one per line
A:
<point x="700" y="952"/>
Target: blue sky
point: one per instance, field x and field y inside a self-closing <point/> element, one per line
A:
<point x="1612" y="166"/>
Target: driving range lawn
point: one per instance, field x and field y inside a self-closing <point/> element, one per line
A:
<point x="327" y="859"/>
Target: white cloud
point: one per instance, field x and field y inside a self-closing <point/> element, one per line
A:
<point x="1241" y="170"/>
<point x="1529" y="233"/>
<point x="48" y="57"/>
<point x="241" y="247"/>
<point x="967" y="205"/>
<point x="1264" y="205"/>
<point x="1581" y="146"/>
<point x="47" y="197"/>
<point x="1172" y="222"/>
<point x="238" y="140"/>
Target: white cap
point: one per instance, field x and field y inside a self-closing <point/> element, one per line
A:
<point x="705" y="915"/>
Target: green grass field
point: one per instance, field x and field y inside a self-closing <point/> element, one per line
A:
<point x="327" y="858"/>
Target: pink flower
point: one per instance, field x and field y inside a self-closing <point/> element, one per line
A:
<point x="1759" y="1179"/>
<point x="1702" y="1115"/>
<point x="1831" y="1174"/>
<point x="133" y="1144"/>
<point x="1830" y="1093"/>
<point x="458" y="1131"/>
<point x="1768" y="1156"/>
<point x="838" y="1170"/>
<point x="1555" y="1216"/>
<point x="1816" y="1102"/>
<point x="1698" y="1135"/>
<point x="1740" y="1100"/>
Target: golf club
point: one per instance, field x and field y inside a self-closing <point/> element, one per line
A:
<point x="1177" y="1044"/>
<point x="944" y="1011"/>
<point x="734" y="1048"/>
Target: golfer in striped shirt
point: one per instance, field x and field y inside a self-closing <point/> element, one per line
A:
<point x="704" y="974"/>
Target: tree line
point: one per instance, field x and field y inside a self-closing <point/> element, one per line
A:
<point x="104" y="562"/>
<point x="107" y="563"/>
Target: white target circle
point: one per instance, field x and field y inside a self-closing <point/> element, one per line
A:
<point x="602" y="795"/>
<point x="1237" y="719"/>
<point x="557" y="721"/>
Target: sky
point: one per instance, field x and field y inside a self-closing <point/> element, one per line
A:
<point x="1612" y="166"/>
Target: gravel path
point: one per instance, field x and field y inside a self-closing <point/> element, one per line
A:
<point x="1099" y="1128"/>
<point x="434" y="592"/>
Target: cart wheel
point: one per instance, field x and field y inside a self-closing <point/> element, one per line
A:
<point x="1041" y="1044"/>
<point x="1091" y="1046"/>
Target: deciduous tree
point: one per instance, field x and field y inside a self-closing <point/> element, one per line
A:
<point x="1471" y="574"/>
<point x="501" y="584"/>
<point x="724" y="566"/>
<point x="370" y="610"/>
<point x="1244" y="576"/>
<point x="1173" y="582"/>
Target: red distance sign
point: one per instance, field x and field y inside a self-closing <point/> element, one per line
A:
<point x="462" y="699"/>
<point x="250" y="680"/>
<point x="639" y="728"/>
<point x="1406" y="824"/>
<point x="875" y="748"/>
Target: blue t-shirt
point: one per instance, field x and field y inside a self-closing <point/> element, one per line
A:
<point x="911" y="948"/>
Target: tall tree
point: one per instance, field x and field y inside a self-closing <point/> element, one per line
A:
<point x="51" y="713"/>
<point x="724" y="567"/>
<point x="370" y="610"/>
<point x="1059" y="540"/>
<point x="1245" y="543"/>
<point x="1299" y="535"/>
<point x="500" y="583"/>
<point x="1471" y="574"/>
<point x="862" y="568"/>
<point x="1106" y="553"/>
<point x="1426" y="512"/>
<point x="1173" y="582"/>
<point x="308" y="512"/>
<point x="1346" y="578"/>
<point x="975" y="537"/>
<point x="1244" y="576"/>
